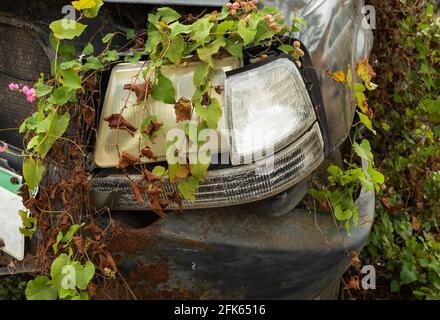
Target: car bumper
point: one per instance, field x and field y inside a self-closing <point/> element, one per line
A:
<point x="229" y="253"/>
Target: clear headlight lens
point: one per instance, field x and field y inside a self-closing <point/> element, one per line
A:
<point x="268" y="108"/>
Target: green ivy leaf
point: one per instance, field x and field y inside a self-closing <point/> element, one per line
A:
<point x="255" y="19"/>
<point x="84" y="274"/>
<point x="133" y="58"/>
<point x="363" y="150"/>
<point x="159" y="171"/>
<point x="366" y="122"/>
<point x="205" y="54"/>
<point x="286" y="48"/>
<point x="177" y="171"/>
<point x="72" y="64"/>
<point x="178" y="28"/>
<point x="153" y="41"/>
<point x="395" y="286"/>
<point x="67" y="238"/>
<point x="29" y="224"/>
<point x="70" y="79"/>
<point x="407" y="275"/>
<point x="234" y="48"/>
<point x="40" y="289"/>
<point x="111" y="56"/>
<point x="247" y="34"/>
<point x="224" y="13"/>
<point x="201" y="30"/>
<point x="36" y="140"/>
<point x="175" y="51"/>
<point x="211" y="114"/>
<point x="93" y="63"/>
<point x="93" y="11"/>
<point x="168" y="15"/>
<point x="164" y="90"/>
<point x="225" y="26"/>
<point x="189" y="188"/>
<point x="33" y="172"/>
<point x="263" y="32"/>
<point x="57" y="266"/>
<point x="270" y="10"/>
<point x="377" y="178"/>
<point x="342" y="215"/>
<point x="130" y="34"/>
<point x="57" y="242"/>
<point x="56" y="126"/>
<point x="42" y="90"/>
<point x="82" y="296"/>
<point x="67" y="29"/>
<point x="199" y="170"/>
<point x="83" y="4"/>
<point x="108" y="37"/>
<point x="62" y="95"/>
<point x="201" y="74"/>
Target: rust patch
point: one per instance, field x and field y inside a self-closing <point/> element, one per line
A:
<point x="117" y="290"/>
<point x="194" y="244"/>
<point x="174" y="294"/>
<point x="153" y="275"/>
<point x="130" y="240"/>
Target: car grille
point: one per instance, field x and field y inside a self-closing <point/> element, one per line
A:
<point x="21" y="60"/>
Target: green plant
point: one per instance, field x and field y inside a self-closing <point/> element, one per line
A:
<point x="171" y="39"/>
<point x="13" y="287"/>
<point x="69" y="279"/>
<point x="406" y="237"/>
<point x="345" y="184"/>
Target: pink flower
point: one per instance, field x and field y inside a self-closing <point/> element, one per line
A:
<point x="30" y="93"/>
<point x="4" y="148"/>
<point x="233" y="7"/>
<point x="13" y="87"/>
<point x="25" y="90"/>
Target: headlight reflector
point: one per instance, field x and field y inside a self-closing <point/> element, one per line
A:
<point x="268" y="108"/>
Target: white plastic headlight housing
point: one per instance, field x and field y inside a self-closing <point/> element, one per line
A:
<point x="117" y="99"/>
<point x="268" y="108"/>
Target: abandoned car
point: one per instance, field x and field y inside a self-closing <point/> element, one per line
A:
<point x="246" y="235"/>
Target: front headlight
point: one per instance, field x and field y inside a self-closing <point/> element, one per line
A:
<point x="268" y="108"/>
<point x="268" y="100"/>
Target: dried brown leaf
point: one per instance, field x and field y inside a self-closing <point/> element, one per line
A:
<point x="176" y="198"/>
<point x="141" y="90"/>
<point x="127" y="160"/>
<point x="117" y="121"/>
<point x="148" y="153"/>
<point x="89" y="116"/>
<point x="137" y="192"/>
<point x="152" y="128"/>
<point x="150" y="177"/>
<point x="183" y="109"/>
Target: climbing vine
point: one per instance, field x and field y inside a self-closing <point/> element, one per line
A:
<point x="343" y="186"/>
<point x="57" y="190"/>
